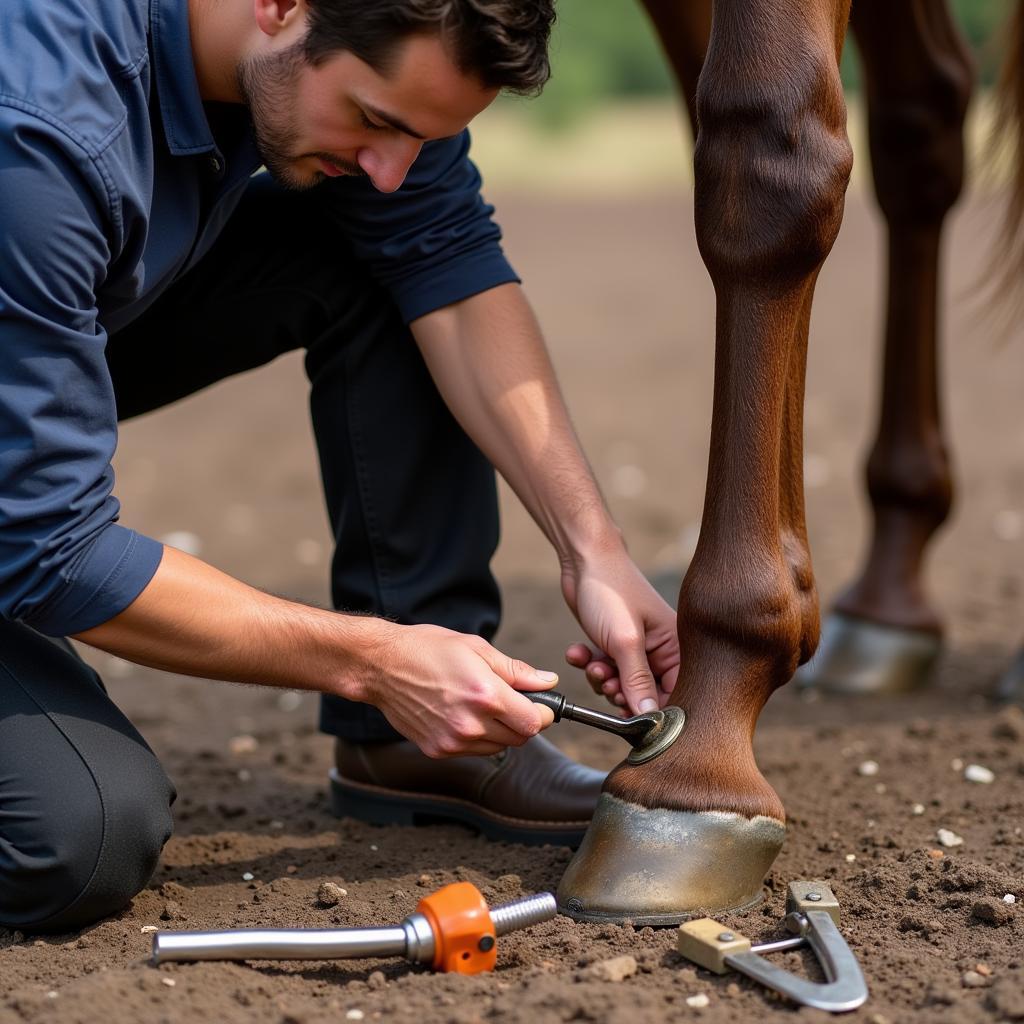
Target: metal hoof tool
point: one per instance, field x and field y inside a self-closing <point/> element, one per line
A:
<point x="452" y="930"/>
<point x="650" y="734"/>
<point x="812" y="913"/>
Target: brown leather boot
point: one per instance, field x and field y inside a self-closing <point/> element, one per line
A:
<point x="531" y="794"/>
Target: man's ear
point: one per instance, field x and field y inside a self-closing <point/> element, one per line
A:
<point x="276" y="16"/>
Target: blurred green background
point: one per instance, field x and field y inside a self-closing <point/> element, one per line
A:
<point x="609" y="120"/>
<point x="606" y="49"/>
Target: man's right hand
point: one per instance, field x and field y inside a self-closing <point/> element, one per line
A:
<point x="454" y="694"/>
<point x="450" y="693"/>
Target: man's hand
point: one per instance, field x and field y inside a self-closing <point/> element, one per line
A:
<point x="637" y="658"/>
<point x="454" y="694"/>
<point x="450" y="693"/>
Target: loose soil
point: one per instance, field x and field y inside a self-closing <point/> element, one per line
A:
<point x="629" y="313"/>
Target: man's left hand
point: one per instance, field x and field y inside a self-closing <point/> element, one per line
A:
<point x="636" y="660"/>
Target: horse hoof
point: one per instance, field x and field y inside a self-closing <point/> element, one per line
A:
<point x="1010" y="687"/>
<point x="661" y="867"/>
<point x="857" y="656"/>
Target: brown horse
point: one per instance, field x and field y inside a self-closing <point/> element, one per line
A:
<point x="697" y="827"/>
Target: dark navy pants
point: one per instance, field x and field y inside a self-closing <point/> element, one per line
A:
<point x="411" y="502"/>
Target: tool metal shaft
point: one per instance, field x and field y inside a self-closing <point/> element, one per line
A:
<point x="280" y="944"/>
<point x="634" y="729"/>
<point x="412" y="938"/>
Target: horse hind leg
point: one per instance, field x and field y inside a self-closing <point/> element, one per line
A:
<point x="884" y="635"/>
<point x="697" y="827"/>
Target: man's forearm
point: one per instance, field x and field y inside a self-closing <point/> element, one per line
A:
<point x="194" y="619"/>
<point x="489" y="361"/>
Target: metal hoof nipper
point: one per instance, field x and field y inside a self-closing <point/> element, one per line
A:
<point x="650" y="734"/>
<point x="452" y="930"/>
<point x="812" y="913"/>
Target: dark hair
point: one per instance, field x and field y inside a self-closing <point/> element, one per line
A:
<point x="502" y="43"/>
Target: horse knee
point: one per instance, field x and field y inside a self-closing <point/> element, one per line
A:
<point x="772" y="163"/>
<point x="88" y="856"/>
<point x="917" y="144"/>
<point x="759" y="614"/>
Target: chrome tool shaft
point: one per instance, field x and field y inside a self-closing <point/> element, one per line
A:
<point x="412" y="938"/>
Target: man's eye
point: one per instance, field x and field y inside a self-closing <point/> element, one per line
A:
<point x="367" y="123"/>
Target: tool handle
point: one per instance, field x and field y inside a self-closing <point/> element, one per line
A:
<point x="550" y="699"/>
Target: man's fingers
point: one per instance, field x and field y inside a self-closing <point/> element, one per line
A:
<point x="578" y="655"/>
<point x="638" y="685"/>
<point x="668" y="680"/>
<point x="521" y="676"/>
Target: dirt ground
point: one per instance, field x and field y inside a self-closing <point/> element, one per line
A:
<point x="629" y="313"/>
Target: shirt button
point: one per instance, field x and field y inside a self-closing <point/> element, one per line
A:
<point x="215" y="164"/>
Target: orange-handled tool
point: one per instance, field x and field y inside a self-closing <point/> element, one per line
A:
<point x="452" y="930"/>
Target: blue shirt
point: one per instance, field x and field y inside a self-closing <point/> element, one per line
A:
<point x="111" y="187"/>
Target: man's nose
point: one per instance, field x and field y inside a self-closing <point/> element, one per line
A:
<point x="388" y="164"/>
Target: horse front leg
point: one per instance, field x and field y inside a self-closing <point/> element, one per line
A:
<point x="884" y="635"/>
<point x="697" y="827"/>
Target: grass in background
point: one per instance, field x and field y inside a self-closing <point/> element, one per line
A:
<point x="609" y="120"/>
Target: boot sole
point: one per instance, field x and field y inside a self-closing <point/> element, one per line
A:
<point x="377" y="805"/>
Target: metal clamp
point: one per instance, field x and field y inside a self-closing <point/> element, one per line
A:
<point x="812" y="913"/>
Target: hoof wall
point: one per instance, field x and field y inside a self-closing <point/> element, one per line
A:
<point x="662" y="867"/>
<point x="857" y="656"/>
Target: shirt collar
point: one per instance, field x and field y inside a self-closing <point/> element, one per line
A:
<point x="181" y="106"/>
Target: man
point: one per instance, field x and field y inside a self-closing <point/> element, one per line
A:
<point x="143" y="262"/>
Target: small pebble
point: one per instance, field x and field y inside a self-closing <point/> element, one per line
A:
<point x="289" y="701"/>
<point x="374" y="848"/>
<point x="376" y="980"/>
<point x="979" y="773"/>
<point x="1009" y="898"/>
<point x="972" y="979"/>
<point x="354" y="1015"/>
<point x="936" y="854"/>
<point x="169" y="982"/>
<point x="52" y="994"/>
<point x="292" y="869"/>
<point x="423" y="880"/>
<point x="698" y="1001"/>
<point x="956" y="764"/>
<point x="850" y="858"/>
<point x="247" y="876"/>
<point x="618" y="968"/>
<point x="984" y="970"/>
<point x="878" y="1018"/>
<point x="329" y="894"/>
<point x="243" y="744"/>
<point x="917" y="809"/>
<point x="147" y="928"/>
<point x="868" y="768"/>
<point x="880" y="787"/>
<point x="948" y="838"/>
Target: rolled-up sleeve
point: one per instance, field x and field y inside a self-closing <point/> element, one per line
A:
<point x="433" y="241"/>
<point x="65" y="563"/>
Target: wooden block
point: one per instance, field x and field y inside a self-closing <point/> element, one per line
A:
<point x="707" y="943"/>
<point x="800" y="899"/>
